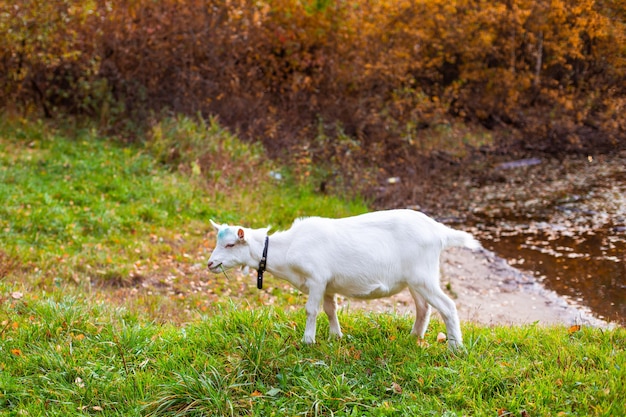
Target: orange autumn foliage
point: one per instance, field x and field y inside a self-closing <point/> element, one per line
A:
<point x="364" y="74"/>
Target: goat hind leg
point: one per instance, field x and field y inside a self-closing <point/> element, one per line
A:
<point x="446" y="307"/>
<point x="330" y="307"/>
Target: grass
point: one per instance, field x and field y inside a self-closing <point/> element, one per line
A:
<point x="81" y="211"/>
<point x="70" y="358"/>
<point x="107" y="309"/>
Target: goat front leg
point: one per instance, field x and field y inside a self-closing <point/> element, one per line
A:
<point x="422" y="314"/>
<point x="312" y="309"/>
<point x="330" y="307"/>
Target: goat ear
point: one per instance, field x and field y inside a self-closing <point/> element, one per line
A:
<point x="240" y="234"/>
<point x="215" y="225"/>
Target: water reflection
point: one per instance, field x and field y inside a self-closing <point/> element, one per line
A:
<point x="589" y="268"/>
<point x="564" y="221"/>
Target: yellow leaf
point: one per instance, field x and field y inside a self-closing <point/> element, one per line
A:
<point x="16" y="352"/>
<point x="256" y="393"/>
<point x="195" y="168"/>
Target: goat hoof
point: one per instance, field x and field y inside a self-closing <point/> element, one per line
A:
<point x="456" y="347"/>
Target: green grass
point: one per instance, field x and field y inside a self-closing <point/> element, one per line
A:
<point x="78" y="206"/>
<point x="80" y="210"/>
<point x="70" y="358"/>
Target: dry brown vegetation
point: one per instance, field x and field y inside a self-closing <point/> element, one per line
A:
<point x="352" y="92"/>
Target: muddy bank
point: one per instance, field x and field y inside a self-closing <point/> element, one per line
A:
<point x="561" y="220"/>
<point x="487" y="290"/>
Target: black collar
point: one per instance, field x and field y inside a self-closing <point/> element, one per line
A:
<point x="262" y="264"/>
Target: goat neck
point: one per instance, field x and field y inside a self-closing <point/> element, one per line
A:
<point x="256" y="242"/>
<point x="277" y="265"/>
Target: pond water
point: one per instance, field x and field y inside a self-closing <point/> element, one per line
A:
<point x="562" y="220"/>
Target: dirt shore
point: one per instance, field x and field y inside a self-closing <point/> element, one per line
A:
<point x="487" y="290"/>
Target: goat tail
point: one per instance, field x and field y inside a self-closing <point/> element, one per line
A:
<point x="462" y="239"/>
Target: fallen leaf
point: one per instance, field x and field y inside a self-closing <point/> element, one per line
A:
<point x="16" y="295"/>
<point x="441" y="337"/>
<point x="97" y="408"/>
<point x="256" y="393"/>
<point x="573" y="329"/>
<point x="16" y="352"/>
<point x="422" y="343"/>
<point x="395" y="387"/>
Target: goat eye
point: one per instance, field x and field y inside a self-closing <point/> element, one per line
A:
<point x="230" y="245"/>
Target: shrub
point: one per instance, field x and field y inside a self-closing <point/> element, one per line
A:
<point x="286" y="72"/>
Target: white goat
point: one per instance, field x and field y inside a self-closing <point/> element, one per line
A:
<point x="368" y="256"/>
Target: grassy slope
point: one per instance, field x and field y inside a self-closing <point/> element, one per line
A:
<point x="82" y="210"/>
<point x="88" y="203"/>
<point x="64" y="358"/>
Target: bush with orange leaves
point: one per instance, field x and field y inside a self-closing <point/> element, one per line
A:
<point x="289" y="72"/>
